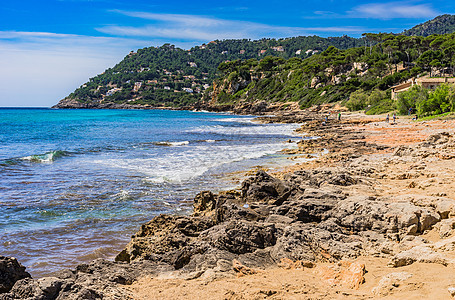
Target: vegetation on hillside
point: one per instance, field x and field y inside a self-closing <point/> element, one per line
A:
<point x="170" y="76"/>
<point x="334" y="74"/>
<point x="440" y="25"/>
<point x="308" y="70"/>
<point x="426" y="102"/>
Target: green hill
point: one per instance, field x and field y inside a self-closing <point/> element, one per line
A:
<point x="173" y="77"/>
<point x="310" y="70"/>
<point x="361" y="76"/>
<point x="440" y="25"/>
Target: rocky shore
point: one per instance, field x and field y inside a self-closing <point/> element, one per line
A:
<point x="375" y="217"/>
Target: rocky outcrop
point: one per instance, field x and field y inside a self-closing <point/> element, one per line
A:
<point x="10" y="272"/>
<point x="320" y="214"/>
<point x="99" y="279"/>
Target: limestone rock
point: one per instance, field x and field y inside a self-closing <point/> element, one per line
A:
<point x="389" y="282"/>
<point x="204" y="203"/>
<point x="446" y="227"/>
<point x="424" y="254"/>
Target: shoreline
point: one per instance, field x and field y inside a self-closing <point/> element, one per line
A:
<point x="108" y="246"/>
<point x="381" y="196"/>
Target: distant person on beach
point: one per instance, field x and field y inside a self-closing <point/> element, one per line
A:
<point x="326" y="118"/>
<point x="387" y="118"/>
<point x="339" y="116"/>
<point x="394" y="117"/>
<point x="410" y="111"/>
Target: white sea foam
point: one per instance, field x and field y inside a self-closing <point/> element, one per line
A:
<point x="183" y="165"/>
<point x="237" y="120"/>
<point x="172" y="143"/>
<point x="263" y="129"/>
<point x="46" y="157"/>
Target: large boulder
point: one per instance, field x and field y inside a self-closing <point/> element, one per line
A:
<point x="10" y="272"/>
<point x="264" y="188"/>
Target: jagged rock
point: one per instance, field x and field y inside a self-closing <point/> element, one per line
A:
<point x="240" y="237"/>
<point x="264" y="188"/>
<point x="389" y="282"/>
<point x="166" y="236"/>
<point x="403" y="151"/>
<point x="305" y="209"/>
<point x="231" y="211"/>
<point x="445" y="207"/>
<point x="10" y="272"/>
<point x="361" y="214"/>
<point x="318" y="178"/>
<point x="353" y="277"/>
<point x="204" y="203"/>
<point x="100" y="279"/>
<point x="437" y="139"/>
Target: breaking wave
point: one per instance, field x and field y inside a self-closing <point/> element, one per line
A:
<point x="46" y="157"/>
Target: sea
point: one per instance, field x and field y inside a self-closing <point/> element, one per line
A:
<point x="76" y="184"/>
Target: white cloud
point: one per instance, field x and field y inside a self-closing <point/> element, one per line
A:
<point x="40" y="68"/>
<point x="393" y="10"/>
<point x="203" y="29"/>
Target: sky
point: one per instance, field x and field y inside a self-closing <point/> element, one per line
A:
<point x="48" y="48"/>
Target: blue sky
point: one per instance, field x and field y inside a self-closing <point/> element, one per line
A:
<point x="50" y="47"/>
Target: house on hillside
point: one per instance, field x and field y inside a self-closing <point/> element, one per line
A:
<point x="426" y="82"/>
<point x="278" y="49"/>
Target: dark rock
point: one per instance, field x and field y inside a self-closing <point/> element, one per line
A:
<point x="241" y="237"/>
<point x="305" y="210"/>
<point x="231" y="211"/>
<point x="10" y="272"/>
<point x="264" y="188"/>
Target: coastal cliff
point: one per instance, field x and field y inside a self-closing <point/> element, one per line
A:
<point x="377" y="194"/>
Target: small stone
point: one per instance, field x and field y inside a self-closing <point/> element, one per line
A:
<point x="452" y="291"/>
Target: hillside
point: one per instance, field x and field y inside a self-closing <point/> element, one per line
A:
<point x="440" y="25"/>
<point x="361" y="77"/>
<point x="168" y="76"/>
<point x="238" y="74"/>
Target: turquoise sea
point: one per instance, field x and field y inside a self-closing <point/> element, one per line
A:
<point x="76" y="184"/>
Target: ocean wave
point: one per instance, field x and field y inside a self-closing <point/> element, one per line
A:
<point x="171" y="144"/>
<point x="237" y="120"/>
<point x="179" y="166"/>
<point x="46" y="157"/>
<point x="260" y="130"/>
